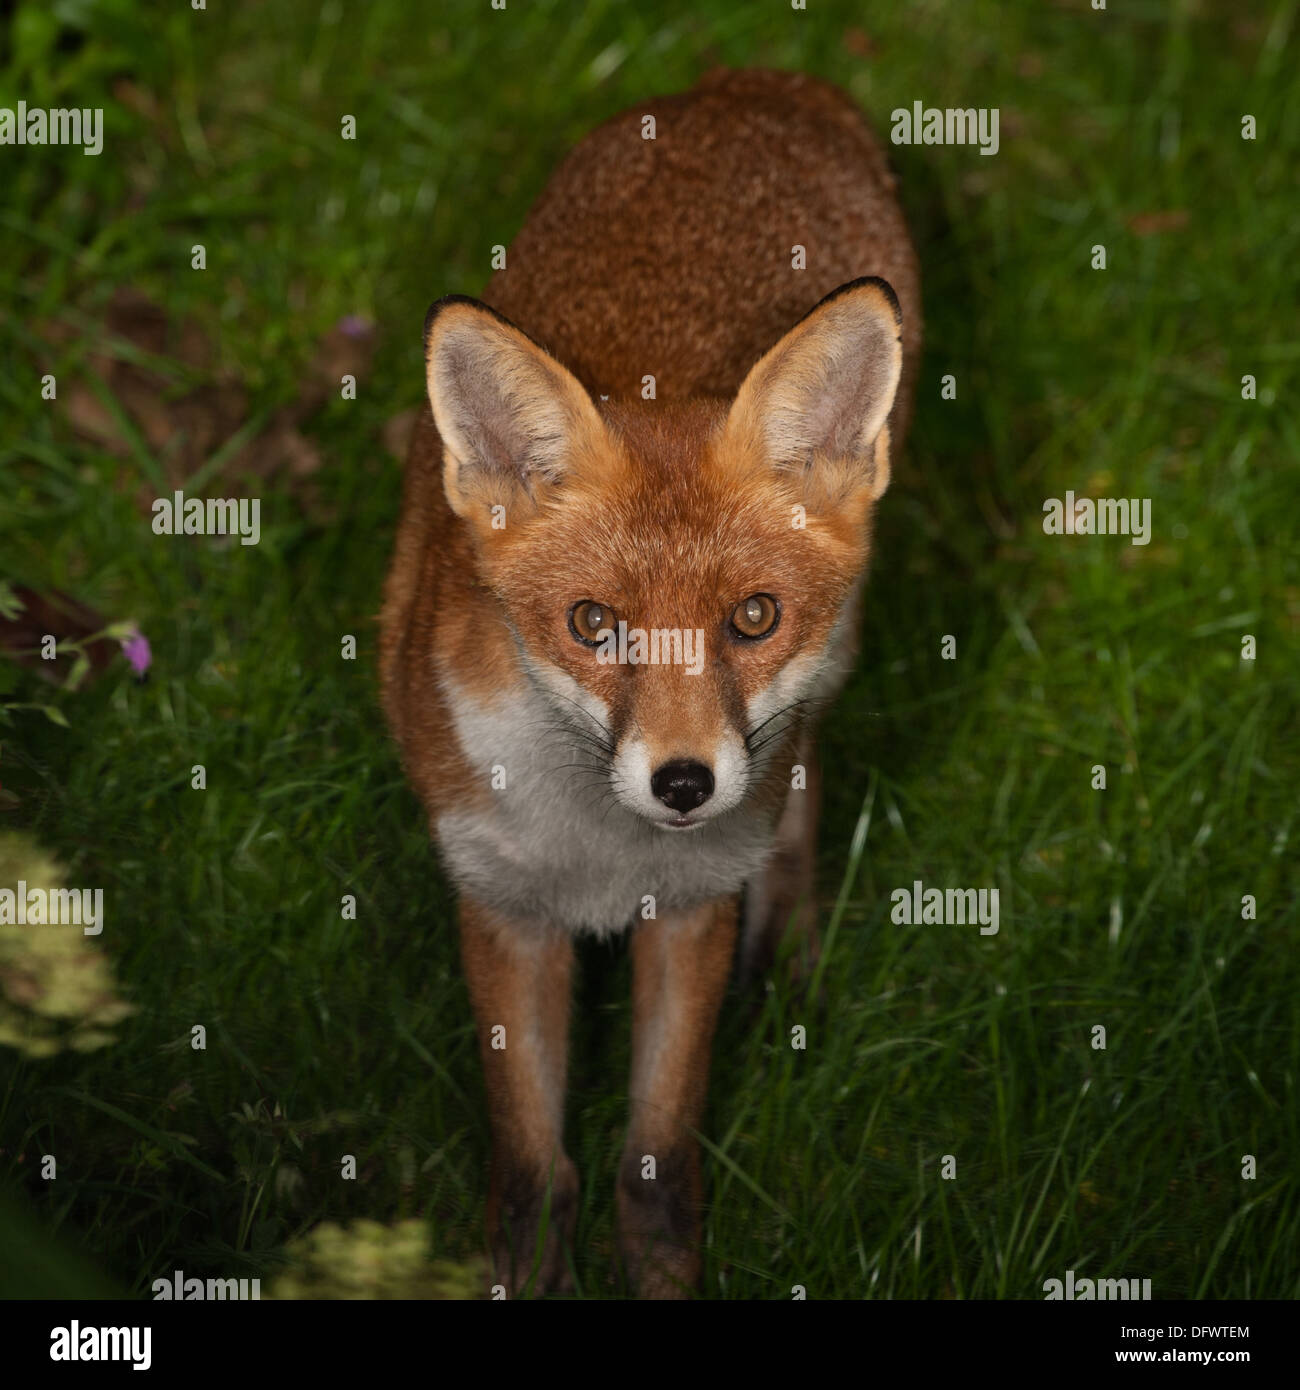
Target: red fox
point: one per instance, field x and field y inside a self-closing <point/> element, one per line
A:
<point x="634" y="532"/>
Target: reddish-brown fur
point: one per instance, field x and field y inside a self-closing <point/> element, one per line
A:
<point x="668" y="258"/>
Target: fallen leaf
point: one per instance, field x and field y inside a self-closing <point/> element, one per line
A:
<point x="398" y="431"/>
<point x="1151" y="223"/>
<point x="860" y="43"/>
<point x="184" y="424"/>
<point x="62" y="616"/>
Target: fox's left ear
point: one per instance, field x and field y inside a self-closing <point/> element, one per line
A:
<point x="817" y="403"/>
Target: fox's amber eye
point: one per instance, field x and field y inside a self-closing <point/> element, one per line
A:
<point x="756" y="616"/>
<point x="589" y="620"/>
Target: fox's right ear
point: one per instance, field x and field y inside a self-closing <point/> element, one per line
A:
<point x="512" y="420"/>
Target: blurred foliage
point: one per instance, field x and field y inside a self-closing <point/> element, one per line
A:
<point x="56" y="985"/>
<point x="36" y="1263"/>
<point x="370" y="1260"/>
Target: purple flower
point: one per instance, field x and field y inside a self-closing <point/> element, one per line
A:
<point x="354" y="326"/>
<point x="136" y="650"/>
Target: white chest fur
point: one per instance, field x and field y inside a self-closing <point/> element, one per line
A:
<point x="555" y="846"/>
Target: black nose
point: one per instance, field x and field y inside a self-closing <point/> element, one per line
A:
<point x="683" y="786"/>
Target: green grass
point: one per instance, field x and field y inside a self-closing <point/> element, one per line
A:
<point x="1120" y="907"/>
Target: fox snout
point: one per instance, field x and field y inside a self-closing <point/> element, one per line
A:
<point x="682" y="786"/>
<point x="680" y="790"/>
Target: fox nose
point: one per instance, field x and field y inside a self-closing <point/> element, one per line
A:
<point x="682" y="785"/>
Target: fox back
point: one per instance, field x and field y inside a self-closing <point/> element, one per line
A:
<point x="635" y="528"/>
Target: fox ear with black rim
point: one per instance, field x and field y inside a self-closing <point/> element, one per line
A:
<point x="512" y="420"/>
<point x="817" y="403"/>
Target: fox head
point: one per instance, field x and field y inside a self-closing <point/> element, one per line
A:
<point x="679" y="577"/>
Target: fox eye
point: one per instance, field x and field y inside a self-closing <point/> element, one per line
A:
<point x="755" y="616"/>
<point x="588" y="619"/>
